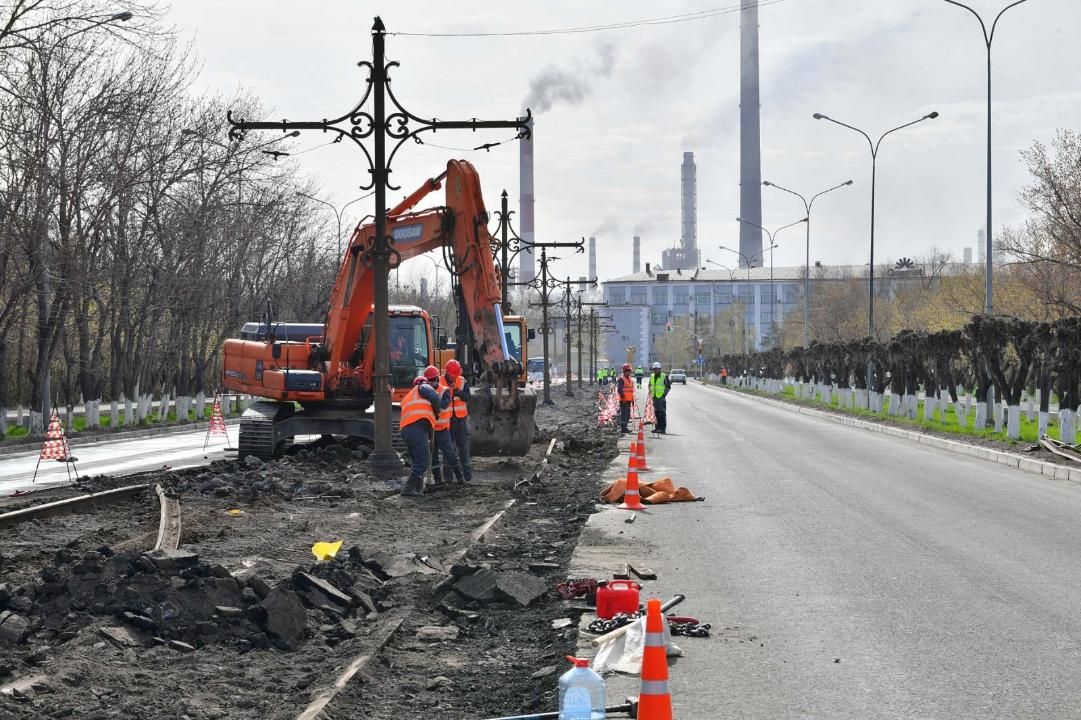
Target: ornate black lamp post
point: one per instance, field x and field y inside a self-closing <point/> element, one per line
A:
<point x="397" y="126"/>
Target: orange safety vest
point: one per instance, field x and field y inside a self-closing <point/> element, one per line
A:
<point x="724" y="372"/>
<point x="443" y="421"/>
<point x="415" y="408"/>
<point x="628" y="389"/>
<point x="461" y="408"/>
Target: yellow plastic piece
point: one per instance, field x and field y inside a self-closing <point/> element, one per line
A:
<point x="326" y="550"/>
<point x="234" y="513"/>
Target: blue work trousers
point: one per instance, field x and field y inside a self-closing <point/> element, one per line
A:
<point x="444" y="446"/>
<point x="415" y="436"/>
<point x="459" y="432"/>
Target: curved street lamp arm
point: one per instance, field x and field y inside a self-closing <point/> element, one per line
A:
<point x="867" y="137"/>
<point x="785" y="227"/>
<point x="806" y="205"/>
<point x="983" y="26"/>
<point x="818" y="195"/>
<point x="928" y="116"/>
<point x="991" y="37"/>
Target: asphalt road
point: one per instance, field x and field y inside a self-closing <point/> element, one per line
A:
<point x="852" y="575"/>
<point x="116" y="458"/>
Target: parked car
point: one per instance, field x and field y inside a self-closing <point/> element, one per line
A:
<point x="678" y="375"/>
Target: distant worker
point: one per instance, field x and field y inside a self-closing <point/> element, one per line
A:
<point x="420" y="407"/>
<point x="459" y="418"/>
<point x="724" y="375"/>
<point x="512" y="347"/>
<point x="625" y="388"/>
<point x="638" y="374"/>
<point x="397" y="345"/>
<point x="444" y="443"/>
<point x="659" y="385"/>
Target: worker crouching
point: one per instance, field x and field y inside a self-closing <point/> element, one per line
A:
<point x="420" y="410"/>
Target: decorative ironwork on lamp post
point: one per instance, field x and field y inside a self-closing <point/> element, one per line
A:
<point x="360" y="125"/>
<point x="568" y="306"/>
<point x="544" y="283"/>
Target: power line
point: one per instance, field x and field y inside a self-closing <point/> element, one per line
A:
<point x="630" y="24"/>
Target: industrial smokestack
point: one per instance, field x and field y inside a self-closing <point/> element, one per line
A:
<point x="750" y="140"/>
<point x="968" y="256"/>
<point x="689" y="209"/>
<point x="593" y="258"/>
<point x="528" y="268"/>
<point x="637" y="254"/>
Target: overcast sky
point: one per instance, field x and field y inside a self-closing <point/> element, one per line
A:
<point x="608" y="158"/>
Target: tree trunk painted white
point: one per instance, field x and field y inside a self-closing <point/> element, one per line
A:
<point x="91" y="414"/>
<point x="1030" y="411"/>
<point x="998" y="416"/>
<point x="3" y="422"/>
<point x="20" y="419"/>
<point x="1013" y="422"/>
<point x="114" y="414"/>
<point x="895" y="404"/>
<point x="1067" y="428"/>
<point x="1042" y="428"/>
<point x="930" y="408"/>
<point x="129" y="412"/>
<point x="163" y="408"/>
<point x="200" y="406"/>
<point x="69" y="419"/>
<point x="981" y="415"/>
<point x="37" y="426"/>
<point x="913" y="406"/>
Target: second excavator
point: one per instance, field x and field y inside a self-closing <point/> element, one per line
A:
<point x="317" y="380"/>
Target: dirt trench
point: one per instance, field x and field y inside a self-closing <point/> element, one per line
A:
<point x="242" y="622"/>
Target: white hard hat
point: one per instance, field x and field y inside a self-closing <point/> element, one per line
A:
<point x="656" y="366"/>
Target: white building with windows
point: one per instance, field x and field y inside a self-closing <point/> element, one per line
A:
<point x="642" y="304"/>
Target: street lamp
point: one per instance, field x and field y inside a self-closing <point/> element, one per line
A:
<point x="807" y="204"/>
<point x="337" y="213"/>
<point x="987" y="38"/>
<point x="874" y="163"/>
<point x="772" y="245"/>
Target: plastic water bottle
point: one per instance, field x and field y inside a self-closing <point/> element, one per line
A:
<point x="581" y="693"/>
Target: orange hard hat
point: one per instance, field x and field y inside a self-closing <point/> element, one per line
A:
<point x="454" y="368"/>
<point x="431" y="373"/>
<point x="626" y="367"/>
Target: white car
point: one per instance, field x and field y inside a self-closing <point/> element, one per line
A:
<point x="678" y="375"/>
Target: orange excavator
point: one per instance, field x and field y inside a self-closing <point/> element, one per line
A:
<point x="317" y="379"/>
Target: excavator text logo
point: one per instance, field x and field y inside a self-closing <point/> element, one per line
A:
<point x="407" y="232"/>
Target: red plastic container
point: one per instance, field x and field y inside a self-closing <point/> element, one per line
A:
<point x="617" y="596"/>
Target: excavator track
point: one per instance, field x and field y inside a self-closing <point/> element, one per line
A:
<point x="258" y="436"/>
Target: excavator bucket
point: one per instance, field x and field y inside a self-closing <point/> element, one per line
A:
<point x="501" y="419"/>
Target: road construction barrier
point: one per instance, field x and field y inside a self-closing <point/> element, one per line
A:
<point x="55" y="447"/>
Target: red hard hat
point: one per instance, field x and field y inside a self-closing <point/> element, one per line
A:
<point x="626" y="367"/>
<point x="431" y="373"/>
<point x="454" y="368"/>
<point x="418" y="381"/>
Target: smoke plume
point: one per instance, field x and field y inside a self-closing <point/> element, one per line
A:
<point x="555" y="85"/>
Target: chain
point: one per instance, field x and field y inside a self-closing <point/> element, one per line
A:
<point x="688" y="628"/>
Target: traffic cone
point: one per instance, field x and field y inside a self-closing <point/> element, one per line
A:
<point x="631" y="499"/>
<point x="654" y="700"/>
<point x="641" y="448"/>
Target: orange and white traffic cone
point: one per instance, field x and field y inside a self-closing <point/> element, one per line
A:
<point x="641" y="448"/>
<point x="654" y="699"/>
<point x="631" y="499"/>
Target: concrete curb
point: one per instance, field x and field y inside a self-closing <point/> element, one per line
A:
<point x="1037" y="467"/>
<point x="82" y="439"/>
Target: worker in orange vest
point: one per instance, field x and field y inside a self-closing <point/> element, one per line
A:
<point x="444" y="443"/>
<point x="459" y="419"/>
<point x="724" y="376"/>
<point x="420" y="408"/>
<point x="625" y="389"/>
